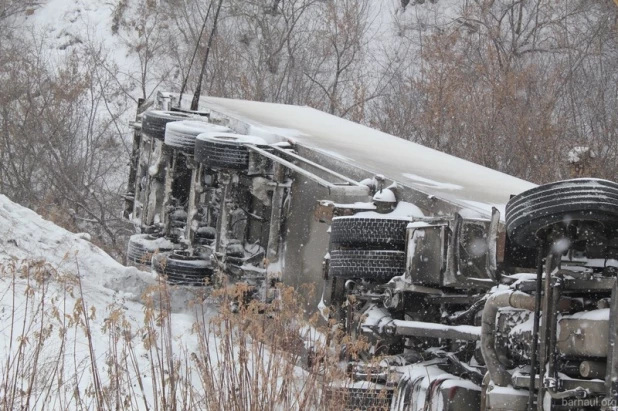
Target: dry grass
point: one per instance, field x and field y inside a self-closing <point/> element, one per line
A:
<point x="252" y="357"/>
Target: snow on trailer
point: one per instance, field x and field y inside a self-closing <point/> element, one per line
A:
<point x="412" y="165"/>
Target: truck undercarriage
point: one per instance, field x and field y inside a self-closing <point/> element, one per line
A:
<point x="463" y="307"/>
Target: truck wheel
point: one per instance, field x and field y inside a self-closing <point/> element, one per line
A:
<point x="181" y="134"/>
<point x="179" y="214"/>
<point x="561" y="203"/>
<point x="142" y="246"/>
<point x="154" y="121"/>
<point x="369" y="233"/>
<point x="367" y="264"/>
<point x="206" y="235"/>
<point x="225" y="150"/>
<point x="181" y="269"/>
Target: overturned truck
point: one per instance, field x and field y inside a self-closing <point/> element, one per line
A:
<point x="476" y="289"/>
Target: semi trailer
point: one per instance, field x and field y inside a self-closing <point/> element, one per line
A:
<point x="475" y="289"/>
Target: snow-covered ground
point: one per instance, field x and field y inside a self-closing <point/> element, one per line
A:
<point x="78" y="330"/>
<point x="68" y="26"/>
<point x="77" y="276"/>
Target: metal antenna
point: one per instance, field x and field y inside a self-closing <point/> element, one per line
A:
<point x="197" y="44"/>
<point x="198" y="90"/>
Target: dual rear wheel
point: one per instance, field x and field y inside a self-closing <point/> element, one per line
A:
<point x="367" y="248"/>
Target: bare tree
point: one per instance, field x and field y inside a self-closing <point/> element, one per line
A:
<point x="507" y="84"/>
<point x="144" y="29"/>
<point x="270" y="42"/>
<point x="10" y="8"/>
<point x="62" y="152"/>
<point x="339" y="43"/>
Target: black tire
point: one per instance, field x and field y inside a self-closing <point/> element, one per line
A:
<point x="181" y="135"/>
<point x="206" y="232"/>
<point x="205" y="235"/>
<point x="367" y="264"/>
<point x="181" y="269"/>
<point x="179" y="214"/>
<point x="369" y="233"/>
<point x="225" y="150"/>
<point x="154" y="121"/>
<point x="560" y="203"/>
<point x="141" y="248"/>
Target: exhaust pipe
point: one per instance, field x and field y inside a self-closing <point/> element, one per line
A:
<point x="514" y="299"/>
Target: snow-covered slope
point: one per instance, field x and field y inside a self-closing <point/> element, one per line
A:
<point x="70" y="22"/>
<point x="30" y="304"/>
<point x="106" y="32"/>
<point x="25" y="235"/>
<point x="80" y="331"/>
<point x="79" y="26"/>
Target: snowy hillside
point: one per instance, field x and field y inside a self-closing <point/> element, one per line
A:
<point x="80" y="331"/>
<point x="86" y="26"/>
<point x="67" y="23"/>
<point x="24" y="235"/>
<point x="76" y="25"/>
<point x="57" y="276"/>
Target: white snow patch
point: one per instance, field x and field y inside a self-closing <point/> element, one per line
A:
<point x="576" y="153"/>
<point x="426" y="182"/>
<point x="597" y="315"/>
<point x="333" y="154"/>
<point x="385" y="195"/>
<point x="153" y="244"/>
<point x="403" y="211"/>
<point x="273" y="135"/>
<point x="183" y="133"/>
<point x="26" y="235"/>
